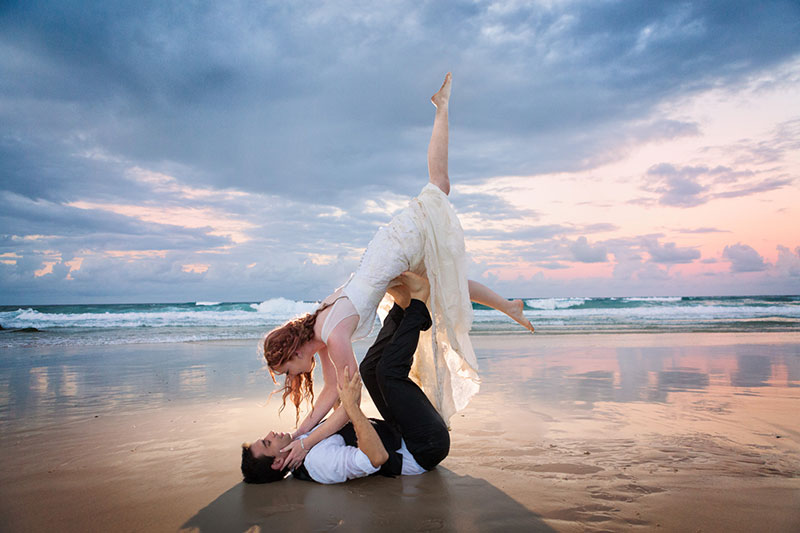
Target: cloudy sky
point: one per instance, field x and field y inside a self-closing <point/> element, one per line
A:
<point x="248" y="150"/>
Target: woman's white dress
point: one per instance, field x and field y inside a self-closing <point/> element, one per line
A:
<point x="426" y="238"/>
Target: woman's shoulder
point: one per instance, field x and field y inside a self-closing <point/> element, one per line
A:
<point x="325" y="306"/>
<point x="334" y="319"/>
<point x="331" y="298"/>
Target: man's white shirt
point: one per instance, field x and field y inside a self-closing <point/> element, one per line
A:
<point x="333" y="461"/>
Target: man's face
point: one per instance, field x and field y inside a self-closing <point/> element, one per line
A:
<point x="271" y="445"/>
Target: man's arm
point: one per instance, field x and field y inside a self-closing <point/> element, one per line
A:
<point x="368" y="440"/>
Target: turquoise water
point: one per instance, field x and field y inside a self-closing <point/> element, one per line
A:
<point x="192" y="321"/>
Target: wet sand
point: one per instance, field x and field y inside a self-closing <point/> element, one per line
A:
<point x="676" y="432"/>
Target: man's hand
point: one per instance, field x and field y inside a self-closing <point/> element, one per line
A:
<point x="349" y="390"/>
<point x="367" y="437"/>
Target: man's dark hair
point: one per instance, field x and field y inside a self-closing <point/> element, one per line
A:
<point x="259" y="470"/>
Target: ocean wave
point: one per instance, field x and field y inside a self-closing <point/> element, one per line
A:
<point x="284" y="308"/>
<point x="263" y="314"/>
<point x="554" y="303"/>
<point x="36" y="319"/>
<point x="178" y="322"/>
<point x="654" y="299"/>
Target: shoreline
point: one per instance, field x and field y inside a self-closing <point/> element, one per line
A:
<point x="786" y="335"/>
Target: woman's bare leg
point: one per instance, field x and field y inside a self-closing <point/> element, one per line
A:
<point x="440" y="138"/>
<point x="438" y="174"/>
<point x="483" y="295"/>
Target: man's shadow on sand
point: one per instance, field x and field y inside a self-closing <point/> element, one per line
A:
<point x="436" y="501"/>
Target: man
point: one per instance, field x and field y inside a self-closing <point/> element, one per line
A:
<point x="412" y="437"/>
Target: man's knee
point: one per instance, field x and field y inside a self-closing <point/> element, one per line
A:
<point x="387" y="370"/>
<point x="435" y="450"/>
<point x="365" y="367"/>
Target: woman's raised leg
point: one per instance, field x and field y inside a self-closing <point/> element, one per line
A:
<point x="483" y="295"/>
<point x="440" y="138"/>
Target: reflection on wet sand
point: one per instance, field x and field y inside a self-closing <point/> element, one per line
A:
<point x="38" y="383"/>
<point x="631" y="373"/>
<point x="569" y="433"/>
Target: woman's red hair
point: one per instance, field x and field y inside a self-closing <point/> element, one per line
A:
<point x="280" y="345"/>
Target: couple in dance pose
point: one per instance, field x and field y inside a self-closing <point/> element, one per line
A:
<point x="421" y="368"/>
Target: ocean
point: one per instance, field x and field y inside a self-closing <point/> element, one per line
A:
<point x="198" y="321"/>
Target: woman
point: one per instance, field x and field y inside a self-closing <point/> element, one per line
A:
<point x="425" y="238"/>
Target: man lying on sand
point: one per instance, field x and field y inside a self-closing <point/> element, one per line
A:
<point x="411" y="427"/>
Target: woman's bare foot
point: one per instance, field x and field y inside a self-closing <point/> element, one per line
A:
<point x="514" y="310"/>
<point x="418" y="286"/>
<point x="400" y="293"/>
<point x="442" y="96"/>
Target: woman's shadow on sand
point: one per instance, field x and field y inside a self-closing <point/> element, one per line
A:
<point x="437" y="501"/>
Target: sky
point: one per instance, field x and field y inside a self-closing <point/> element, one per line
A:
<point x="248" y="150"/>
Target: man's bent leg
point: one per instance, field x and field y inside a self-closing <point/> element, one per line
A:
<point x="368" y="366"/>
<point x="420" y="424"/>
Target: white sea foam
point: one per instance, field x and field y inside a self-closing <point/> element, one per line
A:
<point x="33" y="318"/>
<point x="654" y="299"/>
<point x="266" y="313"/>
<point x="554" y="303"/>
<point x="282" y="307"/>
<point x="101" y="324"/>
<point x="207" y="303"/>
<point x="649" y="314"/>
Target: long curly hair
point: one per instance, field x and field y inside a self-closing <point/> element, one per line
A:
<point x="280" y="345"/>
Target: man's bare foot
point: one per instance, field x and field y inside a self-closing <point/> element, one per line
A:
<point x="400" y="293"/>
<point x="418" y="286"/>
<point x="514" y="310"/>
<point x="442" y="96"/>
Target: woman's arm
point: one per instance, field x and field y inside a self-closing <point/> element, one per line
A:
<point x="341" y="356"/>
<point x="326" y="398"/>
<point x="340" y="353"/>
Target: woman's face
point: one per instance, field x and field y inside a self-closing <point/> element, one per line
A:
<point x="300" y="363"/>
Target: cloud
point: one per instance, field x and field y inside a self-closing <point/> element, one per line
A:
<point x="689" y="186"/>
<point x="669" y="252"/>
<point x="700" y="230"/>
<point x="296" y="129"/>
<point x="785" y="139"/>
<point x="678" y="187"/>
<point x="528" y="232"/>
<point x="36" y="224"/>
<point x="488" y="205"/>
<point x="665" y="129"/>
<point x="583" y="252"/>
<point x="253" y="95"/>
<point x="552" y="265"/>
<point x="788" y="263"/>
<point x="763" y="186"/>
<point x="743" y="258"/>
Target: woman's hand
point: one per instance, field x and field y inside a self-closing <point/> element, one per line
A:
<point x="295" y="457"/>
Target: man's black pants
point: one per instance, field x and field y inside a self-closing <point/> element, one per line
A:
<point x="400" y="401"/>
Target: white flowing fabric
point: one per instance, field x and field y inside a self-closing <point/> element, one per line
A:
<point x="426" y="238"/>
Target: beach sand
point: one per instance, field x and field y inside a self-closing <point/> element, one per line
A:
<point x="675" y="432"/>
